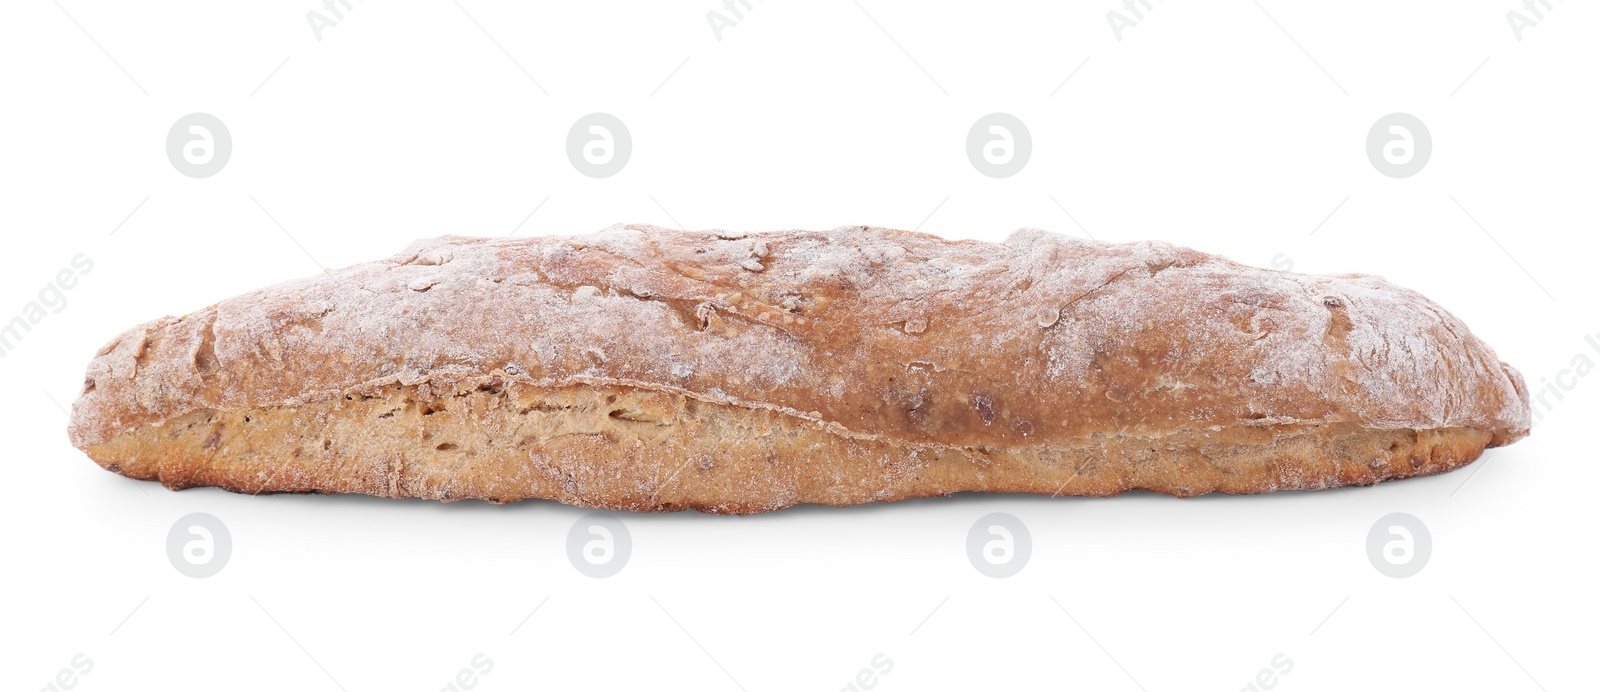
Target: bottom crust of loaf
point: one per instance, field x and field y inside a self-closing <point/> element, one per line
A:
<point x="629" y="448"/>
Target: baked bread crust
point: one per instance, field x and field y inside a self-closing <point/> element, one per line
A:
<point x="644" y="368"/>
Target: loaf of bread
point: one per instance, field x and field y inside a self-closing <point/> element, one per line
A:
<point x="641" y="368"/>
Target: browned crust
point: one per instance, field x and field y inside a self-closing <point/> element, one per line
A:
<point x="875" y="364"/>
<point x="624" y="448"/>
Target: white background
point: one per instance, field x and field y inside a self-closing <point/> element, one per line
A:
<point x="1208" y="125"/>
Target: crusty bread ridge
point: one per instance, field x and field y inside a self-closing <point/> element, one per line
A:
<point x="643" y="368"/>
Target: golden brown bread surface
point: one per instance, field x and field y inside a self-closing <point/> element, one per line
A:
<point x="642" y="368"/>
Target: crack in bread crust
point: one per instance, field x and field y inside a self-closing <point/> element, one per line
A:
<point x="1040" y="339"/>
<point x="627" y="448"/>
<point x="647" y="368"/>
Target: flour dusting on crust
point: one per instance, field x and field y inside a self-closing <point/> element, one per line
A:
<point x="883" y="333"/>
